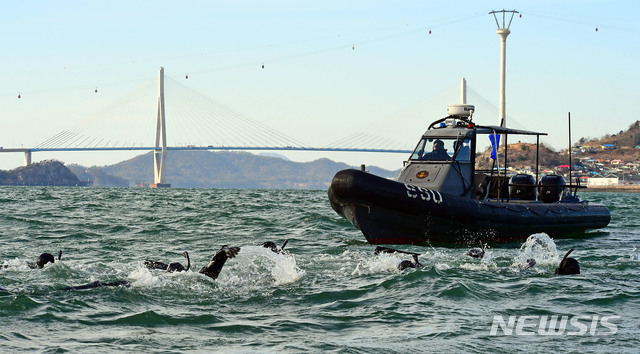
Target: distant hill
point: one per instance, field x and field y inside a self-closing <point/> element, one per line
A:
<point x="98" y="176"/>
<point x="524" y="154"/>
<point x="205" y="169"/>
<point x="629" y="138"/>
<point x="45" y="173"/>
<point x="624" y="146"/>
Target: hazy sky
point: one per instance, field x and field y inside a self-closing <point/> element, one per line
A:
<point x="331" y="68"/>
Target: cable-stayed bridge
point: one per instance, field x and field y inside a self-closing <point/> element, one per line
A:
<point x="136" y="122"/>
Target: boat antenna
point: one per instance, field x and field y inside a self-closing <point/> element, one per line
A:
<point x="570" y="162"/>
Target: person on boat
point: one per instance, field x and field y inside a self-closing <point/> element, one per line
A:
<point x="439" y="153"/>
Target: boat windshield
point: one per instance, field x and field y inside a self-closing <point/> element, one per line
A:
<point x="442" y="149"/>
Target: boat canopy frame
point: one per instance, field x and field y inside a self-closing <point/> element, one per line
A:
<point x="466" y="122"/>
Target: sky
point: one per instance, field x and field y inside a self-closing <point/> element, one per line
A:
<point x="331" y="68"/>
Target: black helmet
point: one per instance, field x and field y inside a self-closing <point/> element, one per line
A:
<point x="44" y="259"/>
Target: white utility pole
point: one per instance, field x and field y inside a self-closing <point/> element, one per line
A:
<point x="503" y="32"/>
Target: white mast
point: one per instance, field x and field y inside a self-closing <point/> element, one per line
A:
<point x="503" y="32"/>
<point x="463" y="91"/>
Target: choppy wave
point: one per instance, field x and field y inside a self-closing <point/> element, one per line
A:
<point x="327" y="292"/>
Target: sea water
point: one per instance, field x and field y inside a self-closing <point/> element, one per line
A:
<point x="327" y="292"/>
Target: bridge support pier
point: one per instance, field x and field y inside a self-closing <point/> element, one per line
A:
<point x="27" y="157"/>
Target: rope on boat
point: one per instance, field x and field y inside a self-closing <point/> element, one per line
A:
<point x="537" y="213"/>
<point x="515" y="208"/>
<point x="581" y="207"/>
<point x="558" y="211"/>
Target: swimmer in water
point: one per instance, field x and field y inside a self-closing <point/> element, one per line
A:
<point x="272" y="246"/>
<point x="568" y="266"/>
<point x="213" y="269"/>
<point x="98" y="284"/>
<point x="404" y="264"/>
<point x="477" y="252"/>
<point x="172" y="267"/>
<point x="42" y="260"/>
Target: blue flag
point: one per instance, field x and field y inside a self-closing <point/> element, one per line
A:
<point x="494" y="145"/>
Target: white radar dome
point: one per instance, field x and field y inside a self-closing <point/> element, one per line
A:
<point x="460" y="110"/>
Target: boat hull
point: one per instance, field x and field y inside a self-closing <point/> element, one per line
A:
<point x="389" y="212"/>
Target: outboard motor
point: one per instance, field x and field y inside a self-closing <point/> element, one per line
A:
<point x="551" y="187"/>
<point x="522" y="187"/>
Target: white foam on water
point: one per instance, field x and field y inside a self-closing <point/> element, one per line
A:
<point x="144" y="277"/>
<point x="366" y="263"/>
<point x="257" y="265"/>
<point x="442" y="266"/>
<point x="14" y="264"/>
<point x="383" y="262"/>
<point x="285" y="269"/>
<point x="486" y="263"/>
<point x="336" y="266"/>
<point x="539" y="247"/>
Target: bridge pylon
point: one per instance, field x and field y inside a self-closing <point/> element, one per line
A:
<point x="160" y="151"/>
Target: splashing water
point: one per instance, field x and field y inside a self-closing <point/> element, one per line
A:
<point x="383" y="262"/>
<point x="285" y="269"/>
<point x="260" y="266"/>
<point x="539" y="247"/>
<point x="486" y="263"/>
